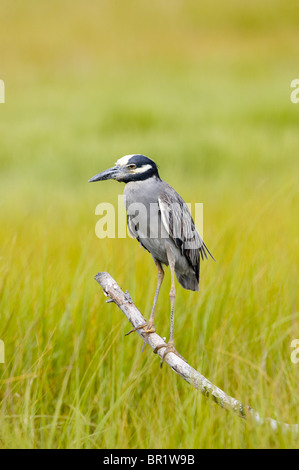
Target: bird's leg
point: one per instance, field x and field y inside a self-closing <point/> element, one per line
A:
<point x="149" y="327"/>
<point x="170" y="346"/>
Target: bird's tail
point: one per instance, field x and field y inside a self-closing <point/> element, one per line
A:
<point x="188" y="280"/>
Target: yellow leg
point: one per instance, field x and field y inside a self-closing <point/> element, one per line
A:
<point x="170" y="346"/>
<point x="149" y="327"/>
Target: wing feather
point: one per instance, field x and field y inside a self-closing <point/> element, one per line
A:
<point x="180" y="226"/>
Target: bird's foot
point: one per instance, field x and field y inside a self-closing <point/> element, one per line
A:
<point x="168" y="349"/>
<point x="148" y="328"/>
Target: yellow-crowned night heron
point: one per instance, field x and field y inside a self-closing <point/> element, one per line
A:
<point x="160" y="220"/>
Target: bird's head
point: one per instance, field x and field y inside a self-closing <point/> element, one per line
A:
<point x="129" y="168"/>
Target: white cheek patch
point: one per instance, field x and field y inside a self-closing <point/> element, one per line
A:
<point x="142" y="169"/>
<point x="124" y="160"/>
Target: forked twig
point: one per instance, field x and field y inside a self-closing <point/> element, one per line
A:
<point x="192" y="376"/>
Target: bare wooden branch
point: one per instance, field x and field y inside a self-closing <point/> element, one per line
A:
<point x="192" y="376"/>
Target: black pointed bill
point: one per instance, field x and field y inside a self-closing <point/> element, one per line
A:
<point x="109" y="174"/>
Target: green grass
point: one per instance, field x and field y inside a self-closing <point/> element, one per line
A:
<point x="207" y="96"/>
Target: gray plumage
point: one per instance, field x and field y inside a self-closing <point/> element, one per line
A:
<point x="168" y="216"/>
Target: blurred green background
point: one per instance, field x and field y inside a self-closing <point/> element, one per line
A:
<point x="203" y="88"/>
